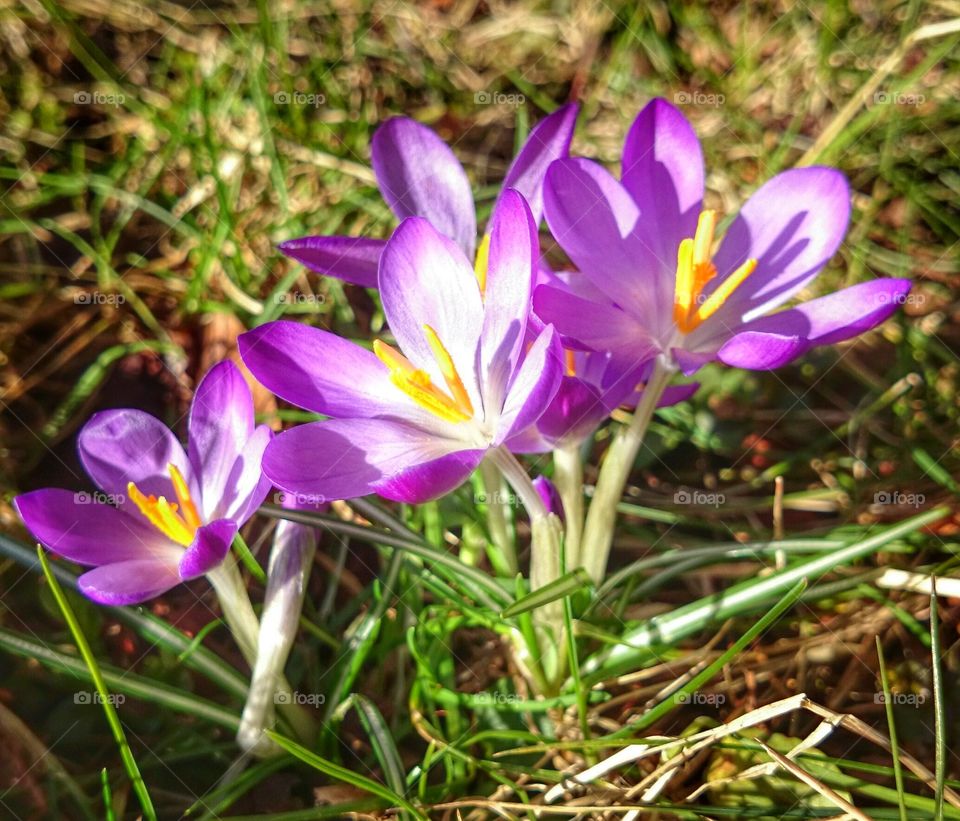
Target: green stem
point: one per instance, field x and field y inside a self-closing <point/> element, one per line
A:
<point x="497" y="517"/>
<point x="568" y="477"/>
<point x="614" y="473"/>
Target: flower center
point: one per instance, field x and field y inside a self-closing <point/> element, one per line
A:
<point x="454" y="406"/>
<point x="695" y="269"/>
<point x="177" y="521"/>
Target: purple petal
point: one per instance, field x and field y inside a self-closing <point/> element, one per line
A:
<point x="576" y="411"/>
<point x="663" y="170"/>
<point x="758" y="351"/>
<point x="597" y="326"/>
<point x="534" y="385"/>
<point x="838" y="316"/>
<point x="77" y="528"/>
<point x="792" y="226"/>
<point x="594" y="218"/>
<point x="426" y="280"/>
<point x="430" y="480"/>
<point x="320" y="371"/>
<point x="211" y="544"/>
<point x="419" y="176"/>
<point x="129" y="582"/>
<point x="121" y="446"/>
<point x="690" y="362"/>
<point x="221" y="421"/>
<point x="352" y="259"/>
<point x="346" y="458"/>
<point x="506" y="303"/>
<point x="247" y="487"/>
<point x="548" y="141"/>
<point x="550" y="496"/>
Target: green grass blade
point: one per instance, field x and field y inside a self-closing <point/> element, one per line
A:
<point x="126" y="755"/>
<point x="892" y="730"/>
<point x="939" y="708"/>
<point x="566" y="585"/>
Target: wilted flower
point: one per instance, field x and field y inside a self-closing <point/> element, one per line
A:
<point x="412" y="424"/>
<point x="419" y="176"/>
<point x="167" y="515"/>
<point x="655" y="286"/>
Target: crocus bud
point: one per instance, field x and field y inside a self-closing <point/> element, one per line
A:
<point x="550" y="496"/>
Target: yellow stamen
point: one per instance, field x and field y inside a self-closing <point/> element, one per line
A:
<point x="683" y="284"/>
<point x="187" y="508"/>
<point x="723" y="292"/>
<point x="695" y="269"/>
<point x="449" y="371"/>
<point x="417" y="385"/>
<point x="162" y="515"/>
<point x="571" y="363"/>
<point x="482" y="262"/>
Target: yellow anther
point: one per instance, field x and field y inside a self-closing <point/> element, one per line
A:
<point x="695" y="269"/>
<point x="482" y="262"/>
<point x="187" y="508"/>
<point x="162" y="515"/>
<point x="449" y="371"/>
<point x="417" y="385"/>
<point x="571" y="363"/>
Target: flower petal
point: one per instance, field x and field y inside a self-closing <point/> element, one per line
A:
<point x="757" y="351"/>
<point x="533" y="387"/>
<point x="419" y="176"/>
<point x="346" y="458"/>
<point x="352" y="259"/>
<point x="247" y="487"/>
<point x="320" y="371"/>
<point x="211" y="544"/>
<point x="72" y="525"/>
<point x="121" y="446"/>
<point x="426" y="280"/>
<point x="792" y="226"/>
<point x="663" y="170"/>
<point x="221" y="421"/>
<point x="131" y="582"/>
<point x="506" y="303"/>
<point x="594" y="218"/>
<point x="548" y="141"/>
<point x="430" y="480"/>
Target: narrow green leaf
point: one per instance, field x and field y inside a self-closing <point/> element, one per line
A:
<point x="333" y="770"/>
<point x="129" y="763"/>
<point x="892" y="728"/>
<point x="939" y="705"/>
<point x="566" y="585"/>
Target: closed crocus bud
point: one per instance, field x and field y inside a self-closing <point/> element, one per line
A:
<point x="551" y="498"/>
<point x="291" y="558"/>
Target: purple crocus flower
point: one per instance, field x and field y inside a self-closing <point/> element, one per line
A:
<point x="645" y="247"/>
<point x="419" y="176"/>
<point x="412" y="424"/>
<point x="140" y="542"/>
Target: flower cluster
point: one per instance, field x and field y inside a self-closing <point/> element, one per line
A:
<point x="489" y="353"/>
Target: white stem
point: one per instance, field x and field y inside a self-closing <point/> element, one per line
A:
<point x="496" y="515"/>
<point x="568" y="477"/>
<point x="614" y="473"/>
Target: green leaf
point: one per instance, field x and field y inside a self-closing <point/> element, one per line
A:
<point x="566" y="585"/>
